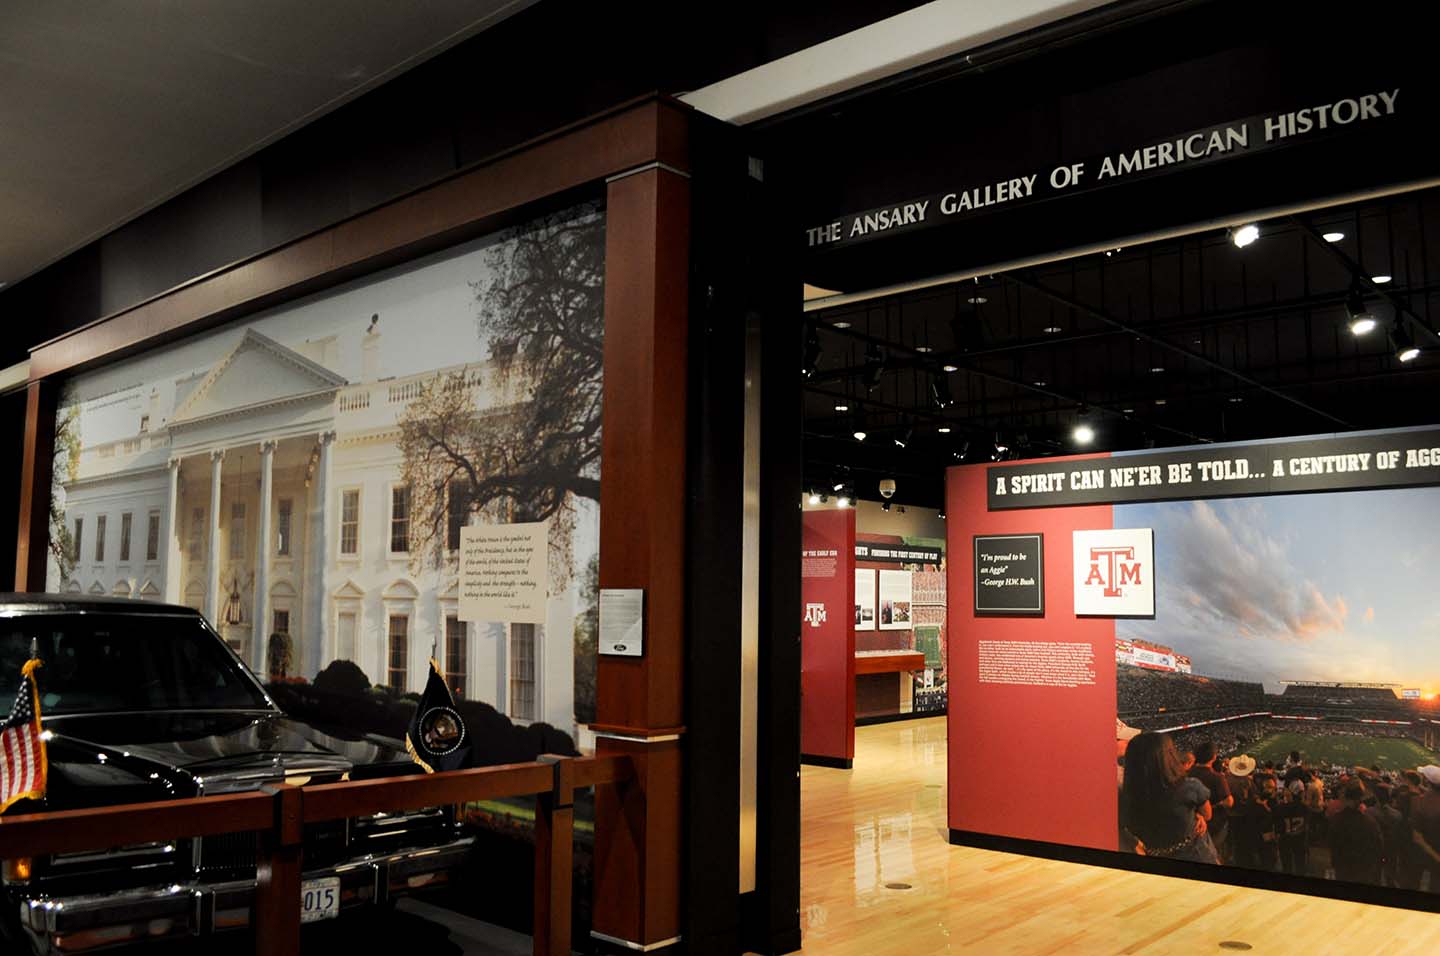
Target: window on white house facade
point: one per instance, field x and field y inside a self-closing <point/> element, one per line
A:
<point x="398" y="663"/>
<point x="100" y="538"/>
<point x="127" y="521"/>
<point x="152" y="537"/>
<point x="284" y="512"/>
<point x="400" y="519"/>
<point x="350" y="521"/>
<point x="455" y="655"/>
<point x="522" y="671"/>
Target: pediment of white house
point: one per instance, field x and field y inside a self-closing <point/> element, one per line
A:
<point x="349" y="591"/>
<point x="257" y="374"/>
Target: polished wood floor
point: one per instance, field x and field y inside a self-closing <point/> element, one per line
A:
<point x="879" y="878"/>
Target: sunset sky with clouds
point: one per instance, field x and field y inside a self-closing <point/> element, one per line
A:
<point x="1301" y="587"/>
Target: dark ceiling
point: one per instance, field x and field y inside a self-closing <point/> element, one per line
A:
<point x="1177" y="342"/>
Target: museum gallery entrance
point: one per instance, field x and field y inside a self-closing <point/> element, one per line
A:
<point x="1272" y="650"/>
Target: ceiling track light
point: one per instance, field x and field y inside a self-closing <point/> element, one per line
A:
<point x="812" y="352"/>
<point x="874" y="366"/>
<point x="1405" y="348"/>
<point x="940" y="392"/>
<point x="1334" y="236"/>
<point x="903" y="439"/>
<point x="1244" y="235"/>
<point x="1361" y="319"/>
<point x="1084" y="432"/>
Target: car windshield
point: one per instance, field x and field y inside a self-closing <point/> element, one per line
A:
<point x="125" y="662"/>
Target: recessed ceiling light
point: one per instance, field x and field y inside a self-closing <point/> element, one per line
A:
<point x="943" y="429"/>
<point x="842" y="408"/>
<point x="922" y="349"/>
<point x="951" y="368"/>
<point x="842" y="325"/>
<point x="977" y="300"/>
<point x="1381" y="279"/>
<point x="1051" y="329"/>
<point x="1333" y="236"/>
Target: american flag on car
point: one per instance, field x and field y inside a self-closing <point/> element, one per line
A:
<point x="22" y="749"/>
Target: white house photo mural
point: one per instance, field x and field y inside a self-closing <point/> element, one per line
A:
<point x="307" y="470"/>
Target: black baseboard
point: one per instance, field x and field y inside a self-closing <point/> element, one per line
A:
<point x="891" y="718"/>
<point x="1184" y="869"/>
<point x="838" y="763"/>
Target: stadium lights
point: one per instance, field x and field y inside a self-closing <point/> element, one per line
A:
<point x="1362" y="320"/>
<point x="1244" y="235"/>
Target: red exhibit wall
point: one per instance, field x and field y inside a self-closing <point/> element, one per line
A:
<point x="1031" y="762"/>
<point x="827" y="636"/>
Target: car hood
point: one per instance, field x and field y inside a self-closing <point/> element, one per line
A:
<point x="101" y="759"/>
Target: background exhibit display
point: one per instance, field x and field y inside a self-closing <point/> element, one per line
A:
<point x="864" y="599"/>
<point x="313" y="471"/>
<point x="1292" y="635"/>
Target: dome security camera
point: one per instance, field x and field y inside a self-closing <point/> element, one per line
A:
<point x="887" y="487"/>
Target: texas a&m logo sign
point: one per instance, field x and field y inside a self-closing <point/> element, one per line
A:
<point x="814" y="614"/>
<point x="1115" y="572"/>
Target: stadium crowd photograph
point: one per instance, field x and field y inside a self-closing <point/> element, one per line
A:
<point x="1238" y="743"/>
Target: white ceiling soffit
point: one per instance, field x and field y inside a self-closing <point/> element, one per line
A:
<point x="910" y="39"/>
<point x="111" y="108"/>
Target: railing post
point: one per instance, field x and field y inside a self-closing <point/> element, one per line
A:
<point x="554" y="853"/>
<point x="277" y="889"/>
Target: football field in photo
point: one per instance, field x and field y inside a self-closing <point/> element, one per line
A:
<point x="1387" y="753"/>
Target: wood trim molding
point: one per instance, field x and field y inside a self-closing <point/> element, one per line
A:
<point x="652" y="130"/>
<point x="32" y="546"/>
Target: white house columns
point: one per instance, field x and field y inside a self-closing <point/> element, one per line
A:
<point x="170" y="538"/>
<point x="212" y="565"/>
<point x="260" y="626"/>
<point x="314" y="634"/>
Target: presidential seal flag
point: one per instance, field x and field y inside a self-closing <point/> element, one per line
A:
<point x="22" y="748"/>
<point x="436" y="738"/>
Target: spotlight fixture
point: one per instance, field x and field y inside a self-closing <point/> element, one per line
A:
<point x="884" y="506"/>
<point x="903" y="439"/>
<point x="1157" y="369"/>
<point x="1159" y="401"/>
<point x="1052" y="330"/>
<point x="1405" y="348"/>
<point x="860" y="433"/>
<point x="842" y="407"/>
<point x="1001" y="449"/>
<point x="942" y="514"/>
<point x="940" y="392"/>
<point x="1333" y="236"/>
<point x="924" y="349"/>
<point x="842" y="324"/>
<point x="812" y="352"/>
<point x="814" y="498"/>
<point x="844" y="500"/>
<point x="874" y="366"/>
<point x="1084" y="432"/>
<point x="1040" y="383"/>
<point x="1244" y="235"/>
<point x="950" y="368"/>
<point x="1381" y="279"/>
<point x="959" y="453"/>
<point x="1362" y="320"/>
<point x="943" y="429"/>
<point x="977" y="300"/>
<point x="1235" y="399"/>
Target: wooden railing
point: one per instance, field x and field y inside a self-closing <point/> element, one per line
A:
<point x="279" y="814"/>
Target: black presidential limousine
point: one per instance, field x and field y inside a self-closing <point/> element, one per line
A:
<point x="143" y="702"/>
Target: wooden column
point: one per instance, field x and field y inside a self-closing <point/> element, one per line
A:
<point x="642" y="545"/>
<point x="38" y="461"/>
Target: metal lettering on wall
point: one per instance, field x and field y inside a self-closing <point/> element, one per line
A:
<point x="1333" y="463"/>
<point x="1196" y="147"/>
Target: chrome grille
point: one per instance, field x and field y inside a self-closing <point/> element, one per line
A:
<point x="228" y="853"/>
